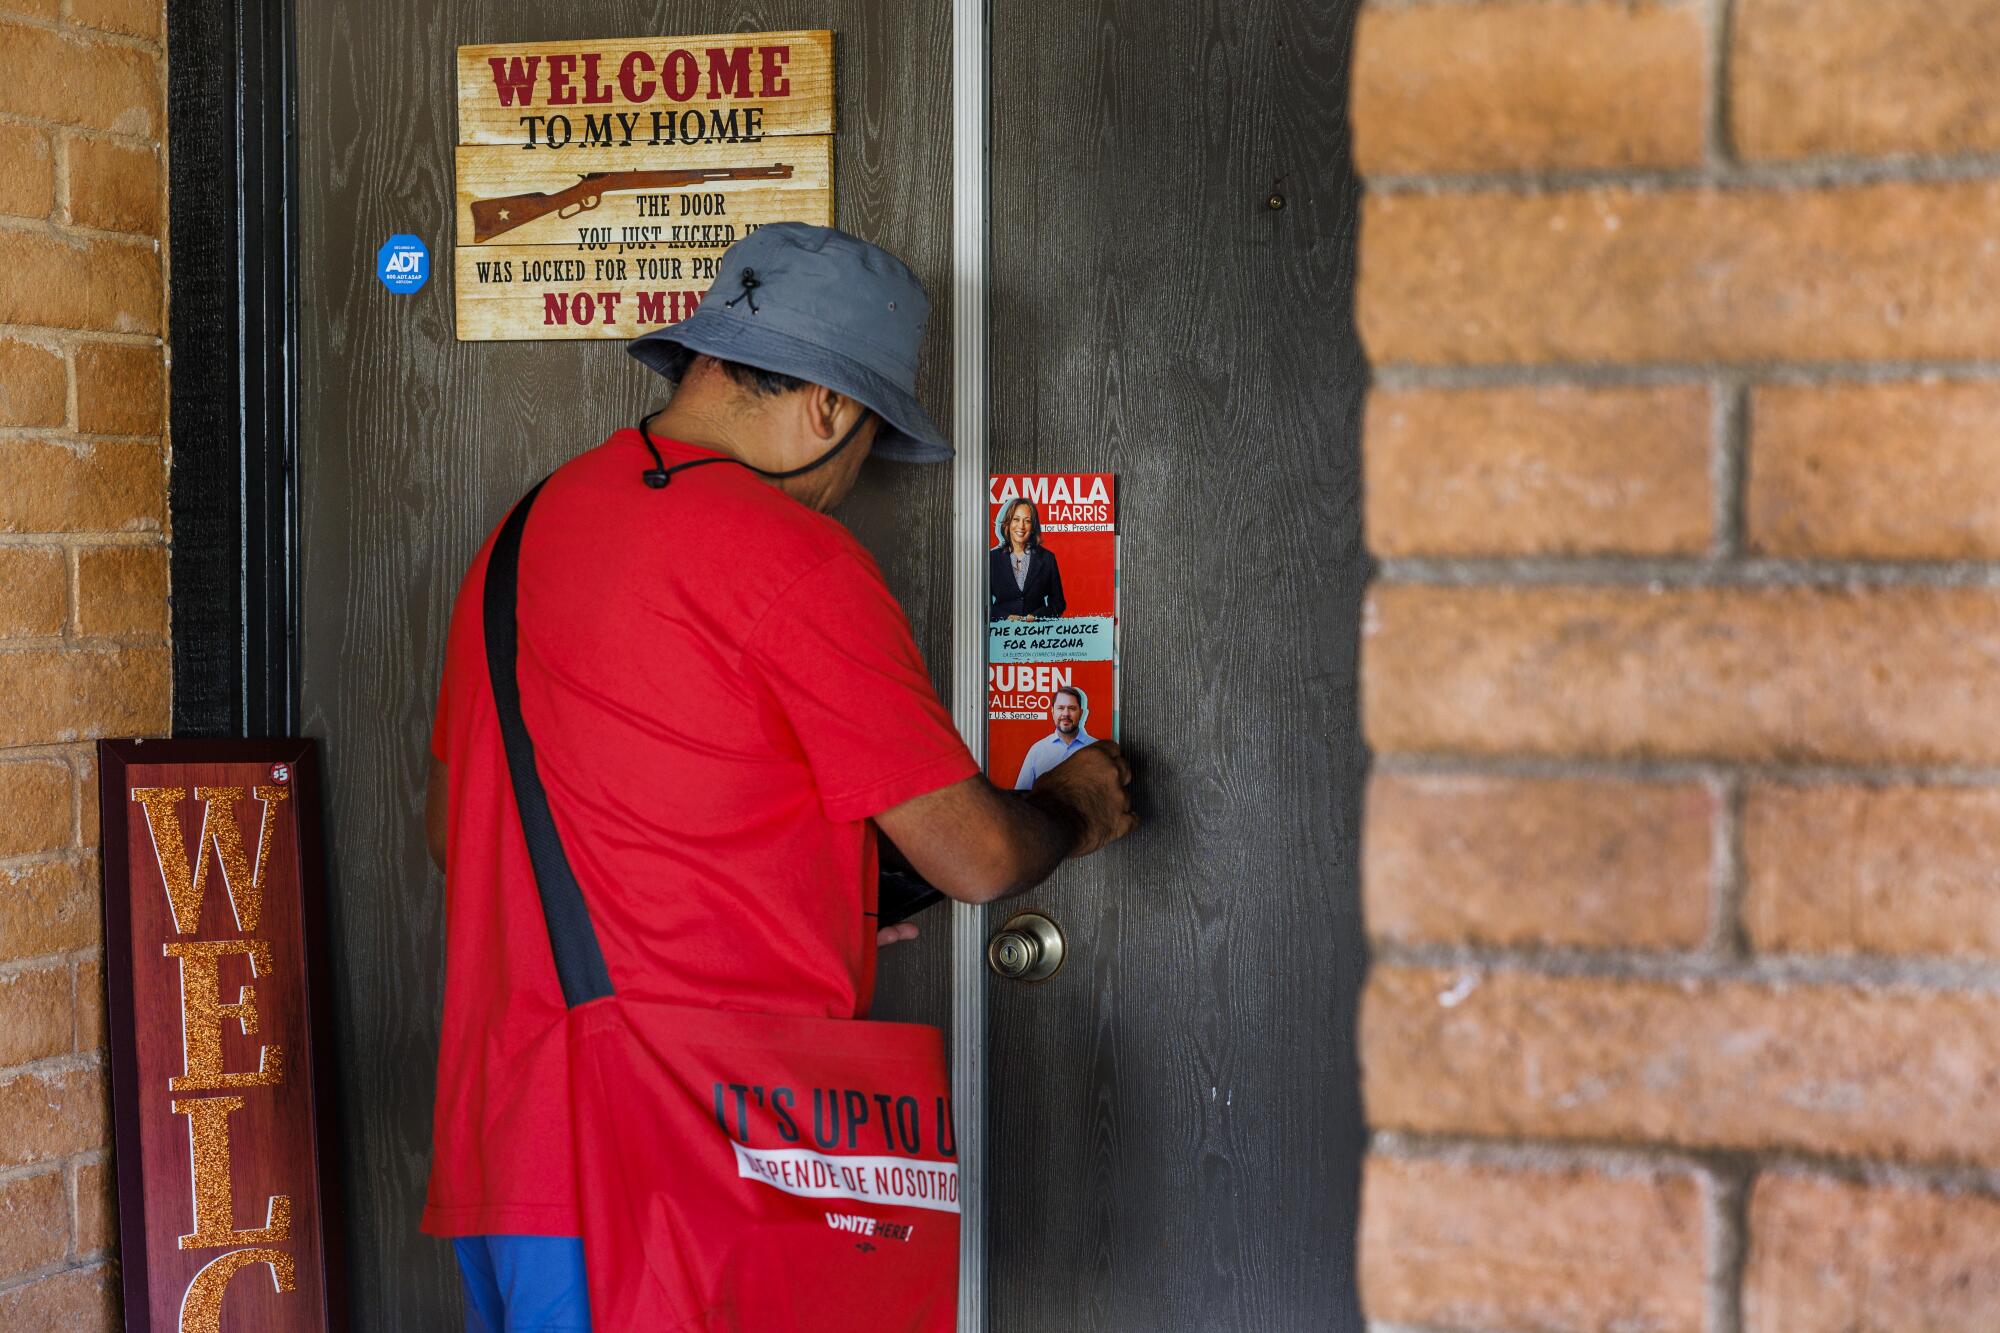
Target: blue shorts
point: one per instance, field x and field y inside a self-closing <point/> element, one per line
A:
<point x="523" y="1284"/>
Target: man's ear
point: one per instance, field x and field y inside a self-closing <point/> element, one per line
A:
<point x="823" y="406"/>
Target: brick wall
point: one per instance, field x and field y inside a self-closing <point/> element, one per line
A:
<point x="1682" y="857"/>
<point x="83" y="598"/>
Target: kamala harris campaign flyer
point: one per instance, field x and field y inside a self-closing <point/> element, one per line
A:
<point x="1052" y="620"/>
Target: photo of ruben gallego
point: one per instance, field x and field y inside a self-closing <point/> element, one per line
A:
<point x="1067" y="711"/>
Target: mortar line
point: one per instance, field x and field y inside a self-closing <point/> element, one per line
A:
<point x="1616" y="375"/>
<point x="81" y="778"/>
<point x="83" y="541"/>
<point x="1788" y="176"/>
<point x="75" y="443"/>
<point x="73" y="29"/>
<point x="1415" y="763"/>
<point x="1541" y="1153"/>
<point x="1531" y="1154"/>
<point x="1725" y="1193"/>
<point x="123" y="138"/>
<point x="65" y="1062"/>
<point x="1729" y="428"/>
<point x="1727" y="937"/>
<point x="63" y="230"/>
<point x="1681" y="573"/>
<point x="78" y="642"/>
<point x="69" y="1263"/>
<point x="1875" y="972"/>
<point x="73" y="570"/>
<point x="1718" y="140"/>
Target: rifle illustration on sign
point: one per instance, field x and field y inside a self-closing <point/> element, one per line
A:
<point x="497" y="217"/>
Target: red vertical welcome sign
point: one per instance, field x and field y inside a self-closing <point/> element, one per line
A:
<point x="215" y="974"/>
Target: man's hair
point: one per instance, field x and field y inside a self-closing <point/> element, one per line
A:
<point x="766" y="383"/>
<point x="1071" y="690"/>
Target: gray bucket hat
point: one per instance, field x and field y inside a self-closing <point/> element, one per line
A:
<point x="825" y="307"/>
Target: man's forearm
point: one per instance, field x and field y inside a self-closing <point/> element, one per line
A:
<point x="977" y="843"/>
<point x="1051" y="829"/>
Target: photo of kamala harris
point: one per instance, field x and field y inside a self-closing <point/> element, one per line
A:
<point x="1022" y="574"/>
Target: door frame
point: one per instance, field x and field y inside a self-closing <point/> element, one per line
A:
<point x="971" y="373"/>
<point x="233" y="379"/>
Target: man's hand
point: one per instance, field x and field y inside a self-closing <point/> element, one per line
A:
<point x="1092" y="785"/>
<point x="896" y="934"/>
<point x="977" y="843"/>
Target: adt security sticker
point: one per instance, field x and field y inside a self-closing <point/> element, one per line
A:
<point x="403" y="263"/>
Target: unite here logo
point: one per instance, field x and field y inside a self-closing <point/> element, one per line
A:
<point x="863" y="1225"/>
<point x="403" y="263"/>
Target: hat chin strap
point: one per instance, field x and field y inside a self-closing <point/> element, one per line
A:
<point x="658" y="475"/>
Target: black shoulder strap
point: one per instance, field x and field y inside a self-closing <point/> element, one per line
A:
<point x="573" y="940"/>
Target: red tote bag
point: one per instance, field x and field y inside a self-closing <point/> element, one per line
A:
<point x="739" y="1173"/>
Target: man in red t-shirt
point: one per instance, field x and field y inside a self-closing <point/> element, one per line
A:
<point x="726" y="704"/>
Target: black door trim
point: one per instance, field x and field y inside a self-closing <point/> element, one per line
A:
<point x="233" y="383"/>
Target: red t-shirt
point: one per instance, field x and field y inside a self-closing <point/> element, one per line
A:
<point x="721" y="692"/>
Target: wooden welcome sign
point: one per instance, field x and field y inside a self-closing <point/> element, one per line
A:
<point x="599" y="182"/>
<point x="221" y="1072"/>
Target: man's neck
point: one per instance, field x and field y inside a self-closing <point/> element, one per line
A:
<point x="690" y="424"/>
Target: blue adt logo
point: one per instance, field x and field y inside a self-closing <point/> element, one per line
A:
<point x="403" y="263"/>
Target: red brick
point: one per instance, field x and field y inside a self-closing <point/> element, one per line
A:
<point x="1848" y="1258"/>
<point x="1898" y="675"/>
<point x="34" y="387"/>
<point x="1859" y="77"/>
<point x="61" y="694"/>
<point x="34" y="592"/>
<point x="37" y="1013"/>
<point x="121" y="591"/>
<point x="1875" y="471"/>
<point x="118" y="389"/>
<point x="79" y="1300"/>
<point x="1511" y="86"/>
<point x="1571" y="1251"/>
<point x="1895" y="271"/>
<point x="1538" y="471"/>
<point x="34" y="1223"/>
<point x="73" y="79"/>
<point x="37" y="806"/>
<point x="134" y="18"/>
<point x="27" y="172"/>
<point x="100" y="486"/>
<point x="48" y="1113"/>
<point x="1519" y="861"/>
<point x="1851" y="869"/>
<point x="1827" y="1069"/>
<point x="114" y="186"/>
<point x="95" y="1225"/>
<point x="105" y="283"/>
<point x="48" y="907"/>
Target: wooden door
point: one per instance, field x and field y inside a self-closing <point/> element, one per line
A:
<point x="1175" y="1127"/>
<point x="412" y="447"/>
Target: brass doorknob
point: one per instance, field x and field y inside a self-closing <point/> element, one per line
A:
<point x="1028" y="948"/>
